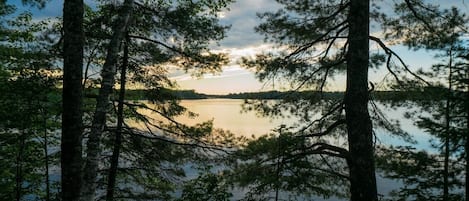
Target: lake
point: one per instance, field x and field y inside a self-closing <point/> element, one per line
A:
<point x="227" y="114"/>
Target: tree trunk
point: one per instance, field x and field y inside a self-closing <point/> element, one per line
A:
<point x="447" y="130"/>
<point x="120" y="120"/>
<point x="359" y="127"/>
<point x="72" y="123"/>
<point x="19" y="166"/>
<point x="466" y="149"/>
<point x="46" y="158"/>
<point x="467" y="153"/>
<point x="102" y="102"/>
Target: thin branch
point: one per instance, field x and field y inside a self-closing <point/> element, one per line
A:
<point x="174" y="49"/>
<point x="341" y="61"/>
<point x="332" y="15"/>
<point x="340" y="105"/>
<point x="333" y="41"/>
<point x="388" y="66"/>
<point x="161" y="138"/>
<point x="88" y="64"/>
<point x="321" y="149"/>
<point x="324" y="79"/>
<point x="327" y="131"/>
<point x="344" y="153"/>
<point x="416" y="15"/>
<point x="183" y="133"/>
<point x="178" y="125"/>
<point x="186" y="55"/>
<point x="390" y="53"/>
<point x="318" y="39"/>
<point x="331" y="169"/>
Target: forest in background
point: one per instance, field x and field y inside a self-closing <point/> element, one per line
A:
<point x="435" y="93"/>
<point x="77" y="144"/>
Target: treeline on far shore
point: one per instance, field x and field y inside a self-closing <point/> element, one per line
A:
<point x="162" y="93"/>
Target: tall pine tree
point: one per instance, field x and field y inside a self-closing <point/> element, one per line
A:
<point x="72" y="99"/>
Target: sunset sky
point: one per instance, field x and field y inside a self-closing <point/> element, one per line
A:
<point x="242" y="41"/>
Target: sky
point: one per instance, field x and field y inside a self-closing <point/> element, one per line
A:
<point x="243" y="41"/>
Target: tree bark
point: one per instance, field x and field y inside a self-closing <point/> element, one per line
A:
<point x="46" y="157"/>
<point x="359" y="127"/>
<point x="447" y="130"/>
<point x="466" y="149"/>
<point x="99" y="119"/>
<point x="19" y="166"/>
<point x="120" y="120"/>
<point x="72" y="123"/>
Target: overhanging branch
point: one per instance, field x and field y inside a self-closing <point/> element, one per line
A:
<point x="317" y="40"/>
<point x="391" y="53"/>
<point x="327" y="131"/>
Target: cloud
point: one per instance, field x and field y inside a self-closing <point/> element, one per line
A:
<point x="242" y="18"/>
<point x="235" y="53"/>
<point x="228" y="71"/>
<point x="52" y="9"/>
<point x="233" y="69"/>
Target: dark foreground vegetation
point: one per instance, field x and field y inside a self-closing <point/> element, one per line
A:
<point x="96" y="140"/>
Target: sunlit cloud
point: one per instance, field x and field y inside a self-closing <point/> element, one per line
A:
<point x="236" y="53"/>
<point x="229" y="71"/>
<point x="221" y="15"/>
<point x="233" y="69"/>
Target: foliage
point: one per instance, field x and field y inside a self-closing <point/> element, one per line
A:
<point x="420" y="172"/>
<point x="28" y="110"/>
<point x="312" y="41"/>
<point x="161" y="34"/>
<point x="441" y="31"/>
<point x="287" y="163"/>
<point x="206" y="187"/>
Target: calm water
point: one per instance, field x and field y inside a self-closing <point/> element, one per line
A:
<point x="227" y="114"/>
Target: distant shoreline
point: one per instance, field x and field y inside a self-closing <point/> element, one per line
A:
<point x="168" y="94"/>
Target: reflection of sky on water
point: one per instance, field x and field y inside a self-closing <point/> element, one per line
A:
<point x="397" y="114"/>
<point x="226" y="114"/>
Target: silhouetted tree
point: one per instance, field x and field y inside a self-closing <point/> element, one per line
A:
<point x="440" y="31"/>
<point x="99" y="117"/>
<point x="28" y="111"/>
<point x="152" y="44"/>
<point x="316" y="41"/>
<point x="72" y="114"/>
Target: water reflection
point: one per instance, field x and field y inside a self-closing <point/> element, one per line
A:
<point x="227" y="114"/>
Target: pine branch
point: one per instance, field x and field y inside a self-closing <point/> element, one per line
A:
<point x="420" y="18"/>
<point x="339" y="106"/>
<point x="391" y="53"/>
<point x="327" y="67"/>
<point x="153" y="136"/>
<point x="183" y="134"/>
<point x="327" y="131"/>
<point x="321" y="38"/>
<point x="196" y="57"/>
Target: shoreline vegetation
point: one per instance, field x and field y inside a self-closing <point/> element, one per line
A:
<point x="145" y="94"/>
